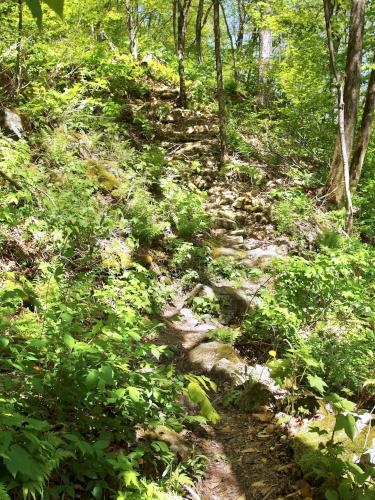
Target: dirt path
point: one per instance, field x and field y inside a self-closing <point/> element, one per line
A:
<point x="249" y="455"/>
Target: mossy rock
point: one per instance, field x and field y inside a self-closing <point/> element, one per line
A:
<point x="307" y="445"/>
<point x="219" y="359"/>
<point x="254" y="395"/>
<point x="101" y="172"/>
<point x="208" y="354"/>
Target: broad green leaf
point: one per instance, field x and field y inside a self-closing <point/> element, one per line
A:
<point x="4" y="342"/>
<point x="36" y="11"/>
<point x="107" y="374"/>
<point x="134" y="394"/>
<point x="101" y="444"/>
<point x="317" y="383"/>
<point x="92" y="379"/>
<point x="57" y="6"/>
<point x="346" y="422"/>
<point x="69" y="341"/>
<point x="332" y="495"/>
<point x="20" y="461"/>
<point x="339" y="403"/>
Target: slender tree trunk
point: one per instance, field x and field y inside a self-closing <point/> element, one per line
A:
<point x="232" y="47"/>
<point x="364" y="132"/>
<point x="220" y="85"/>
<point x="336" y="180"/>
<point x="340" y="84"/>
<point x="183" y="11"/>
<point x="132" y="18"/>
<point x="265" y="60"/>
<point x="242" y="17"/>
<point x="198" y="30"/>
<point x="175" y="34"/>
<point x="19" y="47"/>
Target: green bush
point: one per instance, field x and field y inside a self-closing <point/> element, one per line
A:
<point x="293" y="206"/>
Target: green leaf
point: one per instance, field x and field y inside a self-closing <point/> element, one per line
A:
<point x="36" y="11"/>
<point x="92" y="379"/>
<point x="107" y="374"/>
<point x="131" y="478"/>
<point x="346" y="422"/>
<point x="69" y="341"/>
<point x="134" y="394"/>
<point x="317" y="383"/>
<point x="332" y="495"/>
<point x="339" y="403"/>
<point x="57" y="6"/>
<point x="19" y="460"/>
<point x="4" y="342"/>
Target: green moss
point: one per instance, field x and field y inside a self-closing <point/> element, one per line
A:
<point x="307" y="443"/>
<point x="99" y="171"/>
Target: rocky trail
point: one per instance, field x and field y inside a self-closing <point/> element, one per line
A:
<point x="249" y="453"/>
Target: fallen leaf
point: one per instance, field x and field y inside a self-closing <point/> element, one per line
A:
<point x="259" y="484"/>
<point x="226" y="429"/>
<point x="304" y="488"/>
<point x="264" y="491"/>
<point x="271" y="428"/>
<point x="263" y="435"/>
<point x="250" y="450"/>
<point x="263" y="417"/>
<point x="284" y="467"/>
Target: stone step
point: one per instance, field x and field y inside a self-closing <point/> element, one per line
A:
<point x="189" y="117"/>
<point x="179" y="136"/>
<point x="165" y="93"/>
<point x="196" y="150"/>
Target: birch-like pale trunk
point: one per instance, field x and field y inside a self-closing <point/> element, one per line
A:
<point x="336" y="182"/>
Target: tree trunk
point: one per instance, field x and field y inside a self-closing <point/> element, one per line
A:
<point x="265" y="60"/>
<point x="175" y="35"/>
<point x="242" y="17"/>
<point x="198" y="30"/>
<point x="340" y="84"/>
<point x="19" y="47"/>
<point x="232" y="47"/>
<point x="183" y="11"/>
<point x="132" y="15"/>
<point x="336" y="181"/>
<point x="364" y="133"/>
<point x="220" y="85"/>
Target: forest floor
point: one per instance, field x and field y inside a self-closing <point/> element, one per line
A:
<point x="249" y="453"/>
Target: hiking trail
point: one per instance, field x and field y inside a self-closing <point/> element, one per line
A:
<point x="249" y="453"/>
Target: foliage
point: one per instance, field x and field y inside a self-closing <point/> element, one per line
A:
<point x="292" y="207"/>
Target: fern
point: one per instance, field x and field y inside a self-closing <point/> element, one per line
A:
<point x="3" y="492"/>
<point x="196" y="393"/>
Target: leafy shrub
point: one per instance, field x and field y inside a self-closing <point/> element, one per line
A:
<point x="292" y="206"/>
<point x="227" y="335"/>
<point x="187" y="256"/>
<point x="144" y="218"/>
<point x="328" y="302"/>
<point x="88" y="363"/>
<point x="250" y="173"/>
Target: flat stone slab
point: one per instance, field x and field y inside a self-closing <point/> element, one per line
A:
<point x="218" y="359"/>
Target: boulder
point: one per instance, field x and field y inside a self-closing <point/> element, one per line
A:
<point x="254" y="395"/>
<point x="218" y="359"/>
<point x="177" y="444"/>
